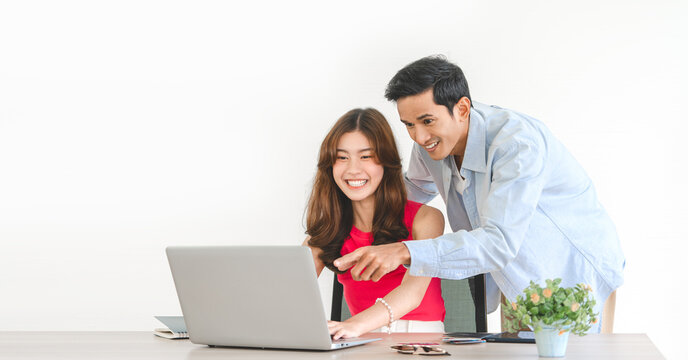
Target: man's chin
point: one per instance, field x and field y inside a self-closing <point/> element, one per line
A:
<point x="436" y="155"/>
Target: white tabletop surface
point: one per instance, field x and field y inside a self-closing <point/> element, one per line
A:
<point x="144" y="345"/>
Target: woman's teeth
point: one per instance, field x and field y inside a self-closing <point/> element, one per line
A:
<point x="431" y="146"/>
<point x="356" y="183"/>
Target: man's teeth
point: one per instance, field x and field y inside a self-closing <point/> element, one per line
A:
<point x="356" y="183"/>
<point x="431" y="145"/>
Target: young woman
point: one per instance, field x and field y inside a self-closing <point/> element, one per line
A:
<point x="359" y="199"/>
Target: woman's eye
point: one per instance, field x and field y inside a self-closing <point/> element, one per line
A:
<point x="341" y="157"/>
<point x="366" y="157"/>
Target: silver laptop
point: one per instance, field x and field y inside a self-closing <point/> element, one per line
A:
<point x="252" y="296"/>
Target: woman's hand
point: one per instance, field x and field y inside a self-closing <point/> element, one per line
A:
<point x="343" y="329"/>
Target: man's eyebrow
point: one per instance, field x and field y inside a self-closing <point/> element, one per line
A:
<point x="418" y="118"/>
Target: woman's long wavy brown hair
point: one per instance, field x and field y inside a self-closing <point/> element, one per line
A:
<point x="330" y="213"/>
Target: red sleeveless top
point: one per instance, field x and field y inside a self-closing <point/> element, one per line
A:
<point x="361" y="295"/>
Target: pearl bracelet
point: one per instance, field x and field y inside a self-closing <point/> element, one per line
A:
<point x="389" y="310"/>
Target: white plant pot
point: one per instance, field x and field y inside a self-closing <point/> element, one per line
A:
<point x="551" y="341"/>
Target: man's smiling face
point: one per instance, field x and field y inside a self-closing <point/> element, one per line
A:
<point x="432" y="126"/>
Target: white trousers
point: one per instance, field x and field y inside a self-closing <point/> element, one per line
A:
<point x="401" y="326"/>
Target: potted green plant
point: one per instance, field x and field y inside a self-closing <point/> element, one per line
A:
<point x="552" y="313"/>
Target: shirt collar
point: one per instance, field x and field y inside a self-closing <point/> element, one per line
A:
<point x="474" y="155"/>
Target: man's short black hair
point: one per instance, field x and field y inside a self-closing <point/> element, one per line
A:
<point x="433" y="72"/>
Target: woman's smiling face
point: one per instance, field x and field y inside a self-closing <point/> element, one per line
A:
<point x="356" y="170"/>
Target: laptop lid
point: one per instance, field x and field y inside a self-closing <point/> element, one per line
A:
<point x="250" y="296"/>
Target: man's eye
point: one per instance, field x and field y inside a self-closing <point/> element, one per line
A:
<point x="408" y="125"/>
<point x="427" y="121"/>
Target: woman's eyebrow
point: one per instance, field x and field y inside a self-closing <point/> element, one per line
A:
<point x="360" y="151"/>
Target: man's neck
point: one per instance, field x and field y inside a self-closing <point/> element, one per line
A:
<point x="460" y="149"/>
<point x="458" y="160"/>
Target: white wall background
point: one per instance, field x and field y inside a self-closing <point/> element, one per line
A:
<point x="128" y="126"/>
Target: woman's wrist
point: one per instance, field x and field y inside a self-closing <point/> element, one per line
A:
<point x="355" y="325"/>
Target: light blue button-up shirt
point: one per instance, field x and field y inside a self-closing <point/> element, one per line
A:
<point x="528" y="211"/>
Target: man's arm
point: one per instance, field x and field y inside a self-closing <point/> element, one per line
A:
<point x="518" y="177"/>
<point x="517" y="182"/>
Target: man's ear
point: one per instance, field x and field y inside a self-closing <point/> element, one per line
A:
<point x="462" y="109"/>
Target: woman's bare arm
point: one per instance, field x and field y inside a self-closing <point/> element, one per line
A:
<point x="428" y="224"/>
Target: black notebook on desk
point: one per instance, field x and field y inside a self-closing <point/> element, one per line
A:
<point x="525" y="337"/>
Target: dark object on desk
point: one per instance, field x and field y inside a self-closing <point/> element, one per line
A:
<point x="427" y="349"/>
<point x="464" y="301"/>
<point x="523" y="337"/>
<point x="462" y="340"/>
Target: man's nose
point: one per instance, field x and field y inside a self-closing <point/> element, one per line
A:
<point x="422" y="135"/>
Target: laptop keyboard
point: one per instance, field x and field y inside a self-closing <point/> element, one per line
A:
<point x="343" y="341"/>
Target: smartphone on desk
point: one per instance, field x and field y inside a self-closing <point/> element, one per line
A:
<point x="525" y="337"/>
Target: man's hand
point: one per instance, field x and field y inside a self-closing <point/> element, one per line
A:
<point x="373" y="262"/>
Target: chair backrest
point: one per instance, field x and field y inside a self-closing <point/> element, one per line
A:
<point x="464" y="301"/>
<point x="608" y="314"/>
<point x="340" y="310"/>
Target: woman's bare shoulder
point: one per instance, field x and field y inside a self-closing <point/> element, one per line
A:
<point x="428" y="223"/>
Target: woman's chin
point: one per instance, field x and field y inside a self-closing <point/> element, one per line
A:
<point x="358" y="196"/>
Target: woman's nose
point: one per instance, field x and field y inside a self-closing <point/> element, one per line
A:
<point x="354" y="166"/>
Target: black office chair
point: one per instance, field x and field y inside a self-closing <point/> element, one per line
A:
<point x="464" y="301"/>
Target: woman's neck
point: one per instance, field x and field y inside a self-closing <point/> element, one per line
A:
<point x="364" y="210"/>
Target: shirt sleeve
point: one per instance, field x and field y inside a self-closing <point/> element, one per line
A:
<point x="419" y="183"/>
<point x="517" y="182"/>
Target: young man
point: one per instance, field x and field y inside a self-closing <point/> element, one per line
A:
<point x="519" y="204"/>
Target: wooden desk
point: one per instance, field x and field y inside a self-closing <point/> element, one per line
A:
<point x="144" y="345"/>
